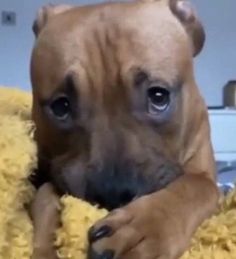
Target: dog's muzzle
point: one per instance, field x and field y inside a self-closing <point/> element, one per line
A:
<point x="116" y="186"/>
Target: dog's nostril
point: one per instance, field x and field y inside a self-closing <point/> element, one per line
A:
<point x="126" y="196"/>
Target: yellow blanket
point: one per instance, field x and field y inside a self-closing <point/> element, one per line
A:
<point x="215" y="239"/>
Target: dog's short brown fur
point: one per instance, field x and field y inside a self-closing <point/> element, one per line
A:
<point x="120" y="122"/>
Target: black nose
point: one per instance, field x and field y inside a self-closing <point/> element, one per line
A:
<point x="125" y="196"/>
<point x="111" y="198"/>
<point x="111" y="193"/>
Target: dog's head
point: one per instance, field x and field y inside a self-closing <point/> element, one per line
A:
<point x="114" y="96"/>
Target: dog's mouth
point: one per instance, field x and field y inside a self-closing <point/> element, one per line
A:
<point x="112" y="196"/>
<point x="112" y="201"/>
<point x="116" y="189"/>
<point x="116" y="184"/>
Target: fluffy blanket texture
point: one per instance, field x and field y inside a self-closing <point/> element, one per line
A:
<point x="215" y="239"/>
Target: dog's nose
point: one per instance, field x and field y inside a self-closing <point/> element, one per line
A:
<point x="125" y="196"/>
<point x="115" y="197"/>
<point x="111" y="193"/>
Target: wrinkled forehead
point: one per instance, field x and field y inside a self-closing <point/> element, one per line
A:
<point x="109" y="38"/>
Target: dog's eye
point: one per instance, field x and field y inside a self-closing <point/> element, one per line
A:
<point x="60" y="107"/>
<point x="158" y="99"/>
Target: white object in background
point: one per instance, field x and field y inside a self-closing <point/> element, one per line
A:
<point x="223" y="133"/>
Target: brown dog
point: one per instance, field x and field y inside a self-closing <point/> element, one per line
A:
<point x="119" y="117"/>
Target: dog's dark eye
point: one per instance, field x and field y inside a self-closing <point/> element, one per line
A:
<point x="60" y="107"/>
<point x="158" y="99"/>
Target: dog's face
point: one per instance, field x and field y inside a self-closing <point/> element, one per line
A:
<point x="113" y="87"/>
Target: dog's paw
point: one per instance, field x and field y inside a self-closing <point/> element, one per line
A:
<point x="136" y="231"/>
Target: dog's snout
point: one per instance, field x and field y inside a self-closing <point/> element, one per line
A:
<point x="114" y="186"/>
<point x="117" y="184"/>
<point x="111" y="193"/>
<point x="126" y="196"/>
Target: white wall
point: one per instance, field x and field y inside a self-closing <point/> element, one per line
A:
<point x="214" y="66"/>
<point x="217" y="63"/>
<point x="16" y="41"/>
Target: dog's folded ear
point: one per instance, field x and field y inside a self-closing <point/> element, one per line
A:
<point x="185" y="12"/>
<point x="45" y="13"/>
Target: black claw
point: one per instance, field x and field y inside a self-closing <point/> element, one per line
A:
<point x="96" y="234"/>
